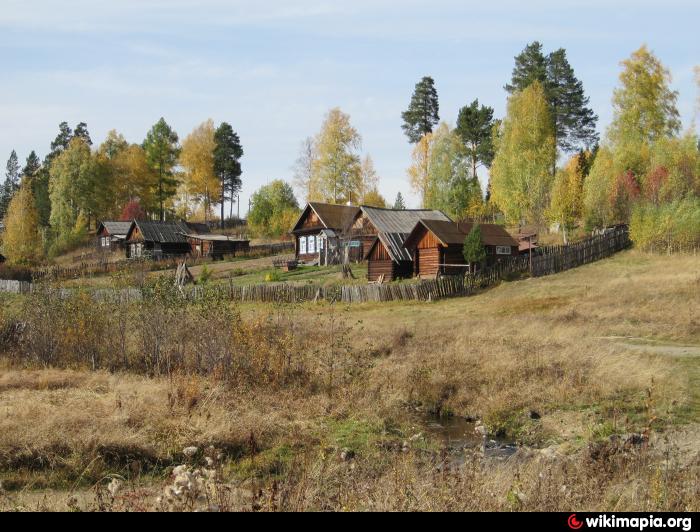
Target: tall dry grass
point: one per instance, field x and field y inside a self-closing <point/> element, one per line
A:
<point x="314" y="407"/>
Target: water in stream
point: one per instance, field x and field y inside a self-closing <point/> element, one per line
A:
<point x="456" y="434"/>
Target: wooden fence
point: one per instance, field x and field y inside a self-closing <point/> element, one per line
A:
<point x="554" y="259"/>
<point x="165" y="263"/>
<point x="15" y="287"/>
<point x="546" y="261"/>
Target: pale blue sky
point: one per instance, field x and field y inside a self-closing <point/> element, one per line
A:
<point x="273" y="68"/>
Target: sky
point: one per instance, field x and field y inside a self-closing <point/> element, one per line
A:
<point x="273" y="68"/>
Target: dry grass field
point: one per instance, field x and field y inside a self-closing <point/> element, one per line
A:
<point x="593" y="374"/>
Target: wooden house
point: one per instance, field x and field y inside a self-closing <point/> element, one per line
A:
<point x="437" y="245"/>
<point x="111" y="236"/>
<point x="527" y="240"/>
<point x="311" y="232"/>
<point x="216" y="246"/>
<point x="387" y="256"/>
<point x="149" y="239"/>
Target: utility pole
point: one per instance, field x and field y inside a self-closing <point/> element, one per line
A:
<point x="238" y="206"/>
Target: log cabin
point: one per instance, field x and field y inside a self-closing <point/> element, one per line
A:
<point x="111" y="236"/>
<point x="436" y="246"/>
<point x="387" y="257"/>
<point x="216" y="246"/>
<point x="317" y="218"/>
<point x="149" y="239"/>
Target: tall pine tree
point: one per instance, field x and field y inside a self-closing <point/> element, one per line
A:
<point x="422" y="114"/>
<point x="227" y="165"/>
<point x="11" y="184"/>
<point x="530" y="66"/>
<point x="475" y="128"/>
<point x="31" y="166"/>
<point x="162" y="150"/>
<point x="574" y="121"/>
<point x="399" y="203"/>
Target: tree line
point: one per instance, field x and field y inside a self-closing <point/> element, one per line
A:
<point x="547" y="164"/>
<point x="49" y="206"/>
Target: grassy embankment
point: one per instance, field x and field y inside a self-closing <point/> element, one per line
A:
<point x="608" y="349"/>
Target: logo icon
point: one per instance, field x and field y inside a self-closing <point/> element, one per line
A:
<point x="574" y="523"/>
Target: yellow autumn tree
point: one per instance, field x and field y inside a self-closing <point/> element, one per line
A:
<point x="373" y="198"/>
<point x="419" y="171"/>
<point x="521" y="172"/>
<point x="197" y="160"/>
<point x="336" y="168"/>
<point x="134" y="179"/>
<point x="566" y="204"/>
<point x="21" y="239"/>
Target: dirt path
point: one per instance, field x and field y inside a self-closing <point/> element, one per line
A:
<point x="688" y="356"/>
<point x="655" y="347"/>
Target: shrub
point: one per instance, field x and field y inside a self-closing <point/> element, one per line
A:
<point x="273" y="277"/>
<point x="667" y="228"/>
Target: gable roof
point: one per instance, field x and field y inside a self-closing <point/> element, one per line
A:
<point x="451" y="233"/>
<point x="332" y="216"/>
<point x="118" y="229"/>
<point x="163" y="232"/>
<point x="393" y="227"/>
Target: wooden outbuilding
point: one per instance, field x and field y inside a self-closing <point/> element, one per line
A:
<point x="387" y="257"/>
<point x="216" y="246"/>
<point x="156" y="240"/>
<point x="527" y="240"/>
<point x="437" y="246"/>
<point x="111" y="236"/>
<point x="309" y="235"/>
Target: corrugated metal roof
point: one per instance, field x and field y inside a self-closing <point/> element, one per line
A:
<point x="172" y="232"/>
<point x="115" y="228"/>
<point x="394" y="226"/>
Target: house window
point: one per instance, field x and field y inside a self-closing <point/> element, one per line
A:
<point x="312" y="244"/>
<point x="502" y="250"/>
<point x="320" y="243"/>
<point x="302" y="245"/>
<point x="105" y="241"/>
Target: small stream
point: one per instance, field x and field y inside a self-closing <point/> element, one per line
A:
<point x="457" y="434"/>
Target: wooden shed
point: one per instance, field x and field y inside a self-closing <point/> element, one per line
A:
<point x="216" y="246"/>
<point x="387" y="257"/>
<point x="111" y="236"/>
<point x="149" y="239"/>
<point x="437" y="246"/>
<point x="315" y="218"/>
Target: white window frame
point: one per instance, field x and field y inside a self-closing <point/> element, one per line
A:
<point x="302" y="245"/>
<point x="311" y="245"/>
<point x="503" y="250"/>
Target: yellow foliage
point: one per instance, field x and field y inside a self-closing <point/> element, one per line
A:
<point x="21" y="240"/>
<point x="197" y="159"/>
<point x="419" y="171"/>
